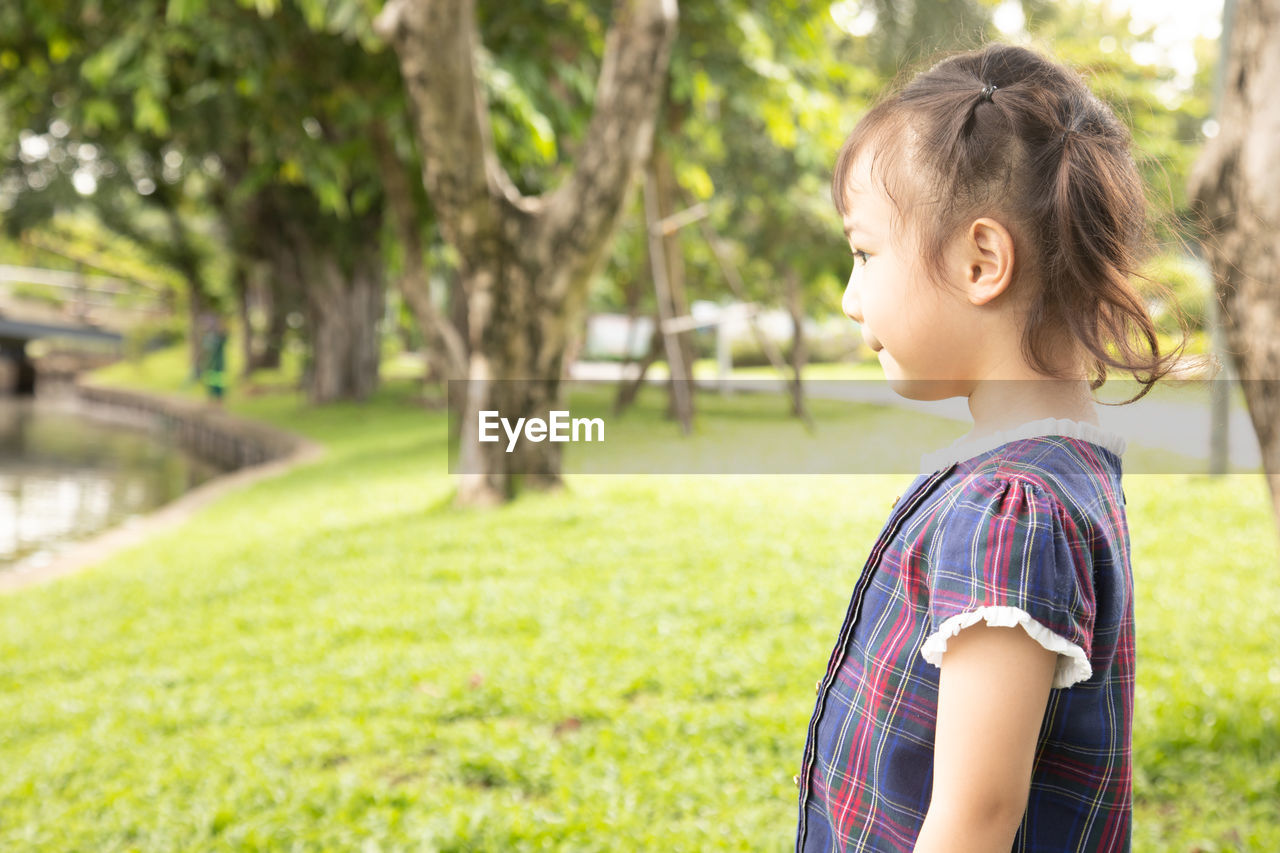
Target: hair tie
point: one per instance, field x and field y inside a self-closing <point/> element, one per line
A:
<point x="987" y="91"/>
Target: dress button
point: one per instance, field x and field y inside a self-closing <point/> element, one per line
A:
<point x="895" y="501"/>
<point x="796" y="779"/>
<point x="817" y="687"/>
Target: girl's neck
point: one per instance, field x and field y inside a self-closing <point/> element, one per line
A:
<point x="1001" y="404"/>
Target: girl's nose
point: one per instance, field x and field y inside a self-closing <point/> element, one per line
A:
<point x="851" y="304"/>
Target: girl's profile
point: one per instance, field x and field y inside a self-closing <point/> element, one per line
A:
<point x="980" y="692"/>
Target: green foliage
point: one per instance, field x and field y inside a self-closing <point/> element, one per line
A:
<point x="200" y="105"/>
<point x="538" y="66"/>
<point x="747" y="352"/>
<point x="907" y="35"/>
<point x="754" y="123"/>
<point x="149" y="302"/>
<point x="266" y="95"/>
<point x="1189" y="286"/>
<point x="153" y="334"/>
<point x="34" y="293"/>
<point x="1165" y="121"/>
<point x="520" y="129"/>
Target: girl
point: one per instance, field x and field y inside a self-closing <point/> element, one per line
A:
<point x="980" y="694"/>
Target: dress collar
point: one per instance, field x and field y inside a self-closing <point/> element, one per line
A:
<point x="962" y="448"/>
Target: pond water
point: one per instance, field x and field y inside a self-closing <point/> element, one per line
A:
<point x="65" y="475"/>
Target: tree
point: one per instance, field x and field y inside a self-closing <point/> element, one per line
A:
<point x="1236" y="186"/>
<point x="60" y="73"/>
<point x="262" y="115"/>
<point x="749" y="130"/>
<point x="525" y="262"/>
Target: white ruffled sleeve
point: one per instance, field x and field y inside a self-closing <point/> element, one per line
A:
<point x="1073" y="664"/>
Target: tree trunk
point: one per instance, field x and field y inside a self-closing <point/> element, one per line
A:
<point x="458" y="310"/>
<point x="679" y="405"/>
<point x="680" y="397"/>
<point x="632" y="291"/>
<point x="799" y="354"/>
<point x="446" y="352"/>
<point x="240" y="286"/>
<point x="345" y="302"/>
<point x="197" y="309"/>
<point x="284" y="284"/>
<point x="271" y="277"/>
<point x="1236" y="184"/>
<point x="279" y="297"/>
<point x="519" y="334"/>
<point x="184" y="257"/>
<point x="524" y="263"/>
<point x="628" y="389"/>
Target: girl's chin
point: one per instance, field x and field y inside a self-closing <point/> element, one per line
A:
<point x="924" y="390"/>
<point x="887" y="365"/>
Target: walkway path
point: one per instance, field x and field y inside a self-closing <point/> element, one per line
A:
<point x="1159" y="424"/>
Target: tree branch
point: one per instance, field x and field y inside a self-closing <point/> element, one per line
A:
<point x="444" y="344"/>
<point x="583" y="211"/>
<point x="436" y="41"/>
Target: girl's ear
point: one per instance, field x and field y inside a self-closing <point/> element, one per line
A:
<point x="985" y="256"/>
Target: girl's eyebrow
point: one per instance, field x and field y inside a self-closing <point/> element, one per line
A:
<point x="849" y="228"/>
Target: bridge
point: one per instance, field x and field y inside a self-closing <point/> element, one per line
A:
<point x="75" y="310"/>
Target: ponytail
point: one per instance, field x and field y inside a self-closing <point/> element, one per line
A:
<point x="1098" y="214"/>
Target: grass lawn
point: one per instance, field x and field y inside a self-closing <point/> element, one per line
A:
<point x="337" y="659"/>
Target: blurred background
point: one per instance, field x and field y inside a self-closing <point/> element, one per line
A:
<point x="308" y="216"/>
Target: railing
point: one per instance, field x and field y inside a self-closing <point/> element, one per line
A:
<point x="81" y="288"/>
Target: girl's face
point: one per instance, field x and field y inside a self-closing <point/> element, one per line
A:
<point x="920" y="331"/>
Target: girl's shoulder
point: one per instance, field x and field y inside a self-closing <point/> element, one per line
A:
<point x="1044" y="448"/>
<point x="1034" y="478"/>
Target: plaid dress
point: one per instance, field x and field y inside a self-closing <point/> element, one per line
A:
<point x="1026" y="527"/>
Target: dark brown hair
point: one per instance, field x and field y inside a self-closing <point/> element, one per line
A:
<point x="1003" y="131"/>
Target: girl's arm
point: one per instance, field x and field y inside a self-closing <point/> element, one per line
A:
<point x="993" y="689"/>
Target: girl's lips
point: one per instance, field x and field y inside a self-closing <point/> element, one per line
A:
<point x="871" y="341"/>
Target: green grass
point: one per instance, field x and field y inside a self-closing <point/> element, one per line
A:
<point x="337" y="659"/>
<point x="164" y="371"/>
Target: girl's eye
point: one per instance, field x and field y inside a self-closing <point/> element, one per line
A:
<point x="858" y="253"/>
